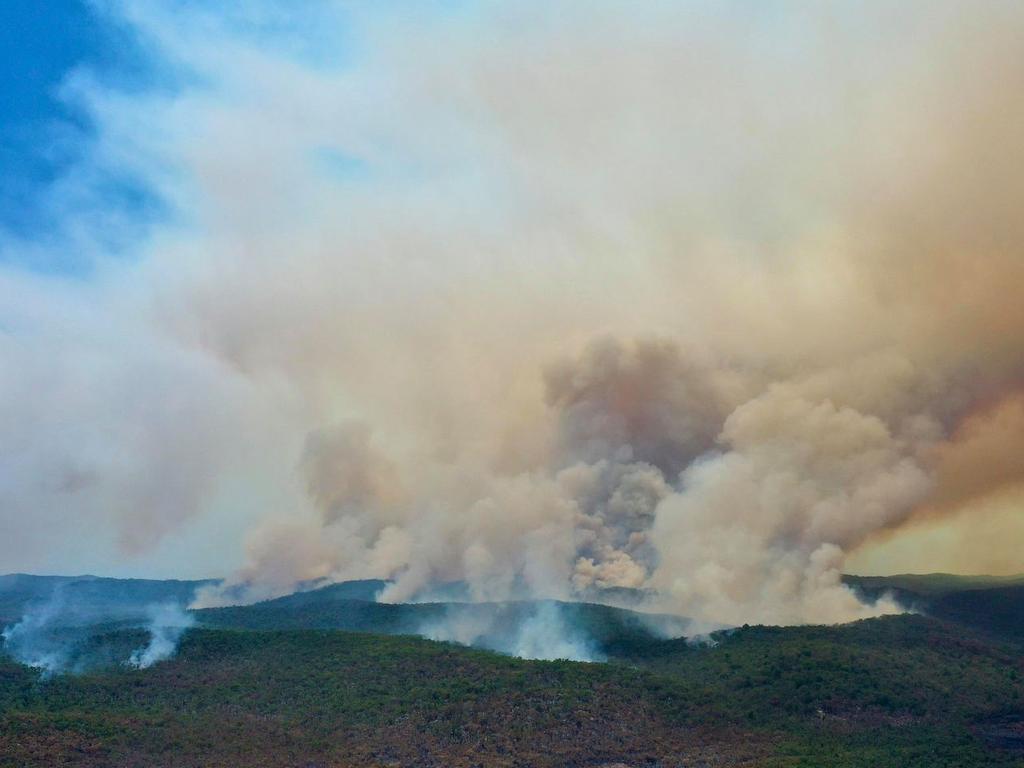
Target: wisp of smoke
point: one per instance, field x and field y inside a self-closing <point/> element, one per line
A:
<point x="167" y="623"/>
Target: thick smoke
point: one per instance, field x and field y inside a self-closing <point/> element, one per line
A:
<point x="758" y="531"/>
<point x="683" y="298"/>
<point x="645" y="403"/>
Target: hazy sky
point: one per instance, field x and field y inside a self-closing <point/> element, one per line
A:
<point x="718" y="298"/>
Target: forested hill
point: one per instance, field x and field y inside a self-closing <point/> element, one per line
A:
<point x="993" y="605"/>
<point x="897" y="692"/>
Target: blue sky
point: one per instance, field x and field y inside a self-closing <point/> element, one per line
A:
<point x="44" y="133"/>
<point x="41" y="133"/>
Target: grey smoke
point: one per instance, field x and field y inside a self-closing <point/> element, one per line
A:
<point x="645" y="403"/>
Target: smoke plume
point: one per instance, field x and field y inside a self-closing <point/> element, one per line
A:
<point x="30" y="640"/>
<point x="695" y="298"/>
<point x="167" y="623"/>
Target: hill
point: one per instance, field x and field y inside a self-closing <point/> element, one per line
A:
<point x="931" y="584"/>
<point x="278" y="684"/>
<point x="990" y="604"/>
<point x="82" y="599"/>
<point x="899" y="691"/>
<point x="574" y="630"/>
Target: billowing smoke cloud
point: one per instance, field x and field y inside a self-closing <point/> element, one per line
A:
<point x="758" y="531"/>
<point x="645" y="403"/>
<point x="691" y="298"/>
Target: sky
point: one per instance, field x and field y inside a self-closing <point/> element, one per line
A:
<point x="41" y="49"/>
<point x="716" y="299"/>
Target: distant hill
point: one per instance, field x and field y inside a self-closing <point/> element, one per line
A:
<point x="991" y="604"/>
<point x="84" y="598"/>
<point x="931" y="584"/>
<point x="533" y="628"/>
<point x="603" y="629"/>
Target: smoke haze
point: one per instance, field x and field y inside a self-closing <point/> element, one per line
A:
<point x="705" y="299"/>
